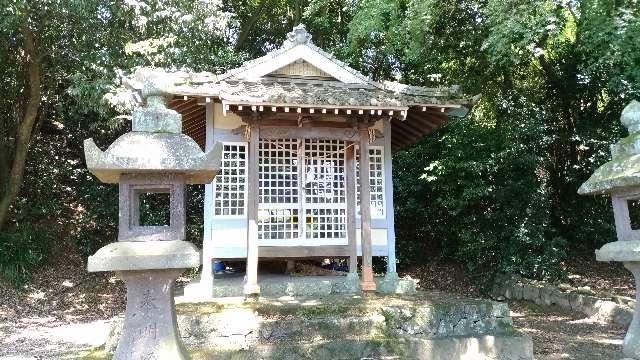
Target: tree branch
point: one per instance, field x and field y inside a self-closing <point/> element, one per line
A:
<point x="246" y="27"/>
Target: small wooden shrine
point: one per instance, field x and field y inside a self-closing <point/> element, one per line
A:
<point x="293" y="125"/>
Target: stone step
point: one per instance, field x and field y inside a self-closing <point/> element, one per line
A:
<point x="488" y="347"/>
<point x="268" y="324"/>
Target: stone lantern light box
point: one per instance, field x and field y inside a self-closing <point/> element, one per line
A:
<point x="620" y="178"/>
<point x="132" y="189"/>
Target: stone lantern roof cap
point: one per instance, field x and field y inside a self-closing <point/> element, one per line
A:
<point x="622" y="172"/>
<point x="155" y="144"/>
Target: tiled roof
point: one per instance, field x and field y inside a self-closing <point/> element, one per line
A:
<point x="319" y="93"/>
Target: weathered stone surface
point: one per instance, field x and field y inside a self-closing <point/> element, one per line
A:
<point x="350" y="284"/>
<point x="619" y="251"/>
<point x="150" y="330"/>
<point x="142" y="152"/>
<point x="615" y="310"/>
<point x="631" y="344"/>
<point x="132" y="186"/>
<point x="135" y="255"/>
<point x="391" y="283"/>
<point x="422" y="326"/>
<point x="156" y="118"/>
<point x="276" y="286"/>
<point x="623" y="171"/>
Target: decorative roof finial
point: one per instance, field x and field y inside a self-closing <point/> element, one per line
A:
<point x="297" y="36"/>
<point x="630" y="117"/>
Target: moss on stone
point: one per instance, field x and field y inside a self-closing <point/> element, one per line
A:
<point x="95" y="354"/>
<point x="199" y="308"/>
<point x="353" y="307"/>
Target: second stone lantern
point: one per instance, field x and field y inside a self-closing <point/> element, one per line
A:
<point x="154" y="158"/>
<point x="620" y="178"/>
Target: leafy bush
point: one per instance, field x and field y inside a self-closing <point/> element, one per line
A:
<point x="21" y="250"/>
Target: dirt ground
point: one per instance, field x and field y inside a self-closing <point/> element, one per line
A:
<point x="65" y="310"/>
<point x="560" y="334"/>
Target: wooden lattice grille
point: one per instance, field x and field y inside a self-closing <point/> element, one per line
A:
<point x="376" y="181"/>
<point x="230" y="184"/>
<point x="278" y="196"/>
<point x="324" y="183"/>
<point x="302" y="194"/>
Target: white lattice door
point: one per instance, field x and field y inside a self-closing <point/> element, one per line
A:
<point x="302" y="196"/>
<point x="324" y="202"/>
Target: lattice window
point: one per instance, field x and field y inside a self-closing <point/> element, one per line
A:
<point x="230" y="184"/>
<point x="278" y="224"/>
<point x="326" y="223"/>
<point x="325" y="193"/>
<point x="324" y="172"/>
<point x="278" y="201"/>
<point x="376" y="181"/>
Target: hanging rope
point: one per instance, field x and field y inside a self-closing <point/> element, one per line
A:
<point x="247" y="133"/>
<point x="325" y="156"/>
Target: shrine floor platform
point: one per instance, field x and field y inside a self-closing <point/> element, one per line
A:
<point x="278" y="285"/>
<point x="424" y="325"/>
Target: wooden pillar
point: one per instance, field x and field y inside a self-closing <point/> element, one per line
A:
<point x="251" y="286"/>
<point x="367" y="283"/>
<point x="350" y="183"/>
<point x="388" y="189"/>
<point x="206" y="277"/>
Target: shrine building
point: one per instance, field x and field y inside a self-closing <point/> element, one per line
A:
<point x="293" y="125"/>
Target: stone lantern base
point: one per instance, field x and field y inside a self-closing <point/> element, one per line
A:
<point x="150" y="328"/>
<point x="149" y="268"/>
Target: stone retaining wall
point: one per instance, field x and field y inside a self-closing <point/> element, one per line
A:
<point x="427" y="327"/>
<point x="614" y="310"/>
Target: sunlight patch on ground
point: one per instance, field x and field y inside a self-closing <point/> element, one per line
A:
<point x="611" y="341"/>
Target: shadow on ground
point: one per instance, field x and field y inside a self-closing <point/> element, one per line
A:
<point x="560" y="334"/>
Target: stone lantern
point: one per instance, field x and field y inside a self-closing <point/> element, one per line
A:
<point x="154" y="158"/>
<point x="620" y="178"/>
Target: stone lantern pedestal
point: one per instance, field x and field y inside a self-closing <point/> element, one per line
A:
<point x="154" y="159"/>
<point x="620" y="178"/>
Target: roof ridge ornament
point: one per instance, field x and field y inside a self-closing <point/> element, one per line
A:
<point x="298" y="36"/>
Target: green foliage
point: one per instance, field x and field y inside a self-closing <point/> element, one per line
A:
<point x="498" y="188"/>
<point x="21" y="250"/>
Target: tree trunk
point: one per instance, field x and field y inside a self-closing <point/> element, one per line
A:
<point x="25" y="127"/>
<point x="246" y="27"/>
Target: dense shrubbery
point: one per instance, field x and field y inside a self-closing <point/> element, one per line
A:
<point x="21" y="250"/>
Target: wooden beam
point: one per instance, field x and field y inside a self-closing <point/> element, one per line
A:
<point x="367" y="283"/>
<point x="194" y="113"/>
<point x="403" y="132"/>
<point x="285" y="132"/>
<point x="417" y="128"/>
<point x="304" y="251"/>
<point x="182" y="105"/>
<point x="350" y="183"/>
<point x="251" y="286"/>
<point x="430" y="120"/>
